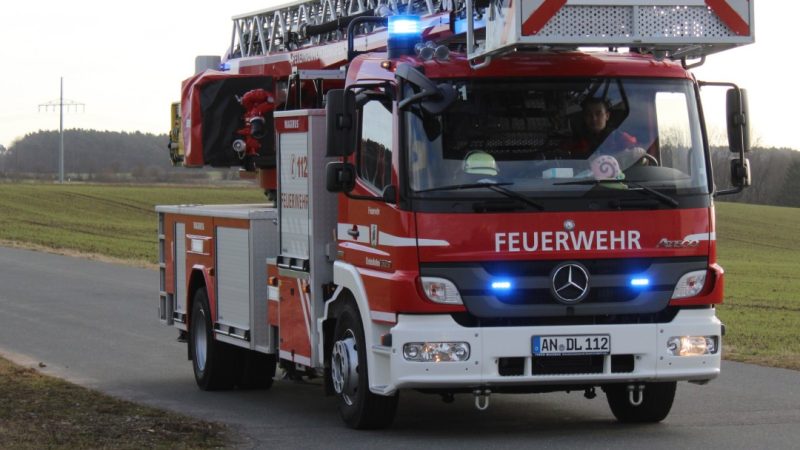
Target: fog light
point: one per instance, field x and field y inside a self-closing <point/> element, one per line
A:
<point x="692" y="345"/>
<point x="436" y="351"/>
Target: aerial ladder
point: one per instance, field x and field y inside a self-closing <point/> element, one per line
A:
<point x="540" y="23"/>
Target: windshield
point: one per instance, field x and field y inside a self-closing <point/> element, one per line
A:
<point x="559" y="139"/>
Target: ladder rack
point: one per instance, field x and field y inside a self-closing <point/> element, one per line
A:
<point x="313" y="22"/>
<point x="676" y="29"/>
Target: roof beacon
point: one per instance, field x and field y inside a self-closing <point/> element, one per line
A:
<point x="404" y="33"/>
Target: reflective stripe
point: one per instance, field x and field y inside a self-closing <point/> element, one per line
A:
<point x="384" y="239"/>
<point x="396" y="241"/>
<point x="541" y="15"/>
<point x="306" y="307"/>
<point x="731" y="13"/>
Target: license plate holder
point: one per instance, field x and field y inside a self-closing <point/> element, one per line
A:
<point x="569" y="345"/>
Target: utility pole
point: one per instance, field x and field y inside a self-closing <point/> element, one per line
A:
<point x="61" y="133"/>
<point x="61" y="103"/>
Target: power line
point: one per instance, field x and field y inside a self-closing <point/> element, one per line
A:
<point x="60" y="104"/>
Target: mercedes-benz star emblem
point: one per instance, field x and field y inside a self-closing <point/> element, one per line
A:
<point x="570" y="282"/>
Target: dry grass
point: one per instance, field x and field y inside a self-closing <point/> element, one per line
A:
<point x="39" y="411"/>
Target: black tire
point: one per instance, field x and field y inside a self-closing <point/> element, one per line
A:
<point x="255" y="370"/>
<point x="362" y="409"/>
<point x="214" y="362"/>
<point x="655" y="407"/>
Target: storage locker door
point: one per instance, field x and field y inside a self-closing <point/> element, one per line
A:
<point x="233" y="277"/>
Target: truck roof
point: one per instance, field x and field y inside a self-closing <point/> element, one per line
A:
<point x="528" y="64"/>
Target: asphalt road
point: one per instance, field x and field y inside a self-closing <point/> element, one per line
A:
<point x="96" y="324"/>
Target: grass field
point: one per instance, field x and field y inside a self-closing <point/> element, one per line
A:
<point x="758" y="246"/>
<point x="110" y="220"/>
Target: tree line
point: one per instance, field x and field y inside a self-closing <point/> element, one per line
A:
<point x="775" y="173"/>
<point x="91" y="155"/>
<point x="113" y="156"/>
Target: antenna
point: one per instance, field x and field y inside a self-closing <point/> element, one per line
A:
<point x="60" y="104"/>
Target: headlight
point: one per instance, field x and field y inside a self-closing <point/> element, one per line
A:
<point x="690" y="284"/>
<point x="441" y="290"/>
<point x="436" y="351"/>
<point x="692" y="345"/>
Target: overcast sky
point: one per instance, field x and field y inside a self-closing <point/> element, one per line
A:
<point x="125" y="62"/>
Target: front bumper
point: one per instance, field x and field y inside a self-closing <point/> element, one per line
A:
<point x="646" y="343"/>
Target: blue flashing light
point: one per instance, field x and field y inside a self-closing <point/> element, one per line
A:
<point x="403" y="26"/>
<point x="640" y="282"/>
<point x="501" y="285"/>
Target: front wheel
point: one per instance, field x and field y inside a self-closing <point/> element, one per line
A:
<point x="358" y="407"/>
<point x="656" y="402"/>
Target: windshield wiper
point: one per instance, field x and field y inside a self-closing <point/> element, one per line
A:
<point x="497" y="187"/>
<point x="637" y="187"/>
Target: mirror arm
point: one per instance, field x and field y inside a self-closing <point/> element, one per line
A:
<point x="416" y="97"/>
<point x="735" y="190"/>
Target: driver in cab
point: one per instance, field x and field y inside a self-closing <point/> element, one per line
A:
<point x="608" y="150"/>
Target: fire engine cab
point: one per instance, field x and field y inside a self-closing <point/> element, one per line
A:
<point x="462" y="196"/>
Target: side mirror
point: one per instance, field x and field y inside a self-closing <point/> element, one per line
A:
<point x="341" y="124"/>
<point x="340" y="177"/>
<point x="740" y="173"/>
<point x="738" y="124"/>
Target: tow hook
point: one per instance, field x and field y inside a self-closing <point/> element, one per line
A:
<point x="590" y="393"/>
<point x="636" y="394"/>
<point x="482" y="398"/>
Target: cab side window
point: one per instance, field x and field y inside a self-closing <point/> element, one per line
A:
<point x="375" y="145"/>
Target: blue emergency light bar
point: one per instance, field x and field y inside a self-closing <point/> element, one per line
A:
<point x="404" y="26"/>
<point x="640" y="282"/>
<point x="501" y="285"/>
<point x="404" y="33"/>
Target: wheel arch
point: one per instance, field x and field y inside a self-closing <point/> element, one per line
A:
<point x="199" y="278"/>
<point x="350" y="287"/>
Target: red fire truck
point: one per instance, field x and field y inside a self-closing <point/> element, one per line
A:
<point x="462" y="196"/>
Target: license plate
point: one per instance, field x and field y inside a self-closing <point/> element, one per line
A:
<point x="586" y="344"/>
